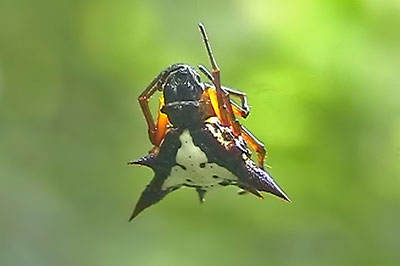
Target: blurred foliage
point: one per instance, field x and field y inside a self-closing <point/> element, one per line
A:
<point x="322" y="78"/>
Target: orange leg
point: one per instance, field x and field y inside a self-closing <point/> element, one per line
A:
<point x="243" y="110"/>
<point x="144" y="104"/>
<point x="162" y="124"/>
<point x="240" y="111"/>
<point x="235" y="125"/>
<point x="144" y="98"/>
<point x="211" y="96"/>
<point x="256" y="145"/>
<point x="216" y="79"/>
<point x="228" y="111"/>
<point x="224" y="106"/>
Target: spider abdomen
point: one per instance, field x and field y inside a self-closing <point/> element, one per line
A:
<point x="193" y="168"/>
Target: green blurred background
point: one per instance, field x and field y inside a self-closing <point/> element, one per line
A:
<point x="323" y="80"/>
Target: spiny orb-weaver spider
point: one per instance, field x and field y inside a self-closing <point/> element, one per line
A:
<point x="198" y="140"/>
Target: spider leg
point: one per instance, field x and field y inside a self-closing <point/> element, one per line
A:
<point x="255" y="145"/>
<point x="236" y="127"/>
<point x="144" y="104"/>
<point x="211" y="96"/>
<point x="241" y="111"/>
<point x="224" y="106"/>
<point x="216" y="77"/>
<point x="162" y="124"/>
<point x="250" y="139"/>
<point x="206" y="72"/>
<point x="144" y="97"/>
<point x="229" y="111"/>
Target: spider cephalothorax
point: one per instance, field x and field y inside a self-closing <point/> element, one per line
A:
<point x="198" y="141"/>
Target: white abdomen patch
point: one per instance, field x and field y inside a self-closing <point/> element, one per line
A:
<point x="193" y="168"/>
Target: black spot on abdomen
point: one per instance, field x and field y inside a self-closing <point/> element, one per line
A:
<point x="181" y="166"/>
<point x="225" y="183"/>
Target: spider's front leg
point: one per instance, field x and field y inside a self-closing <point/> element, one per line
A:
<point x="223" y="106"/>
<point x="156" y="131"/>
<point x="144" y="104"/>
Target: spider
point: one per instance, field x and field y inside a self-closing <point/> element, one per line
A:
<point x="197" y="139"/>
